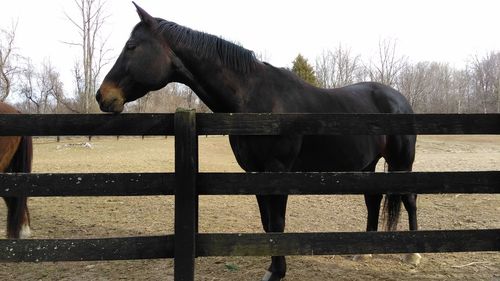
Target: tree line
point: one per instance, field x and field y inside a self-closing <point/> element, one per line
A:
<point x="431" y="87"/>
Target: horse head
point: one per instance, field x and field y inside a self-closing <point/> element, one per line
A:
<point x="145" y="64"/>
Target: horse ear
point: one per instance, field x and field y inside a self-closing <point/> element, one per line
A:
<point x="145" y="17"/>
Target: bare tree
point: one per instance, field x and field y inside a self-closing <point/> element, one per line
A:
<point x="40" y="87"/>
<point x="8" y="56"/>
<point x="463" y="90"/>
<point x="50" y="81"/>
<point x="385" y="69"/>
<point x="89" y="24"/>
<point x="486" y="75"/>
<point x="323" y="69"/>
<point x="440" y="83"/>
<point x="80" y="94"/>
<point x="142" y="104"/>
<point x="336" y="68"/>
<point x="262" y="56"/>
<point x="412" y="83"/>
<point x="202" y="107"/>
<point x="168" y="99"/>
<point x="429" y="87"/>
<point x="28" y="85"/>
<point x="64" y="103"/>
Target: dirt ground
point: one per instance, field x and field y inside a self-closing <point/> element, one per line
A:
<point x="129" y="216"/>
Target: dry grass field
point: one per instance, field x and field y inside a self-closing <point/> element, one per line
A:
<point x="130" y="216"/>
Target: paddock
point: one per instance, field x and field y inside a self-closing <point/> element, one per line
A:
<point x="93" y="217"/>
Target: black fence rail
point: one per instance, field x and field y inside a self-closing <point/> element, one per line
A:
<point x="187" y="184"/>
<point x="249" y="124"/>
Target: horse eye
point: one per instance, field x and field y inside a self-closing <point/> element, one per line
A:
<point x="130" y="46"/>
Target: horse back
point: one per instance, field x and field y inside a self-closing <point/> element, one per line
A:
<point x="367" y="97"/>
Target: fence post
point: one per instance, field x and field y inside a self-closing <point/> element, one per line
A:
<point x="186" y="196"/>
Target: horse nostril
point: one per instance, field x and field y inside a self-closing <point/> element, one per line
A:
<point x="98" y="96"/>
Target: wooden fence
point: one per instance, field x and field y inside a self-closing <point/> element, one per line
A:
<point x="187" y="184"/>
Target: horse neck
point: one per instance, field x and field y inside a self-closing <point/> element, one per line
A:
<point x="219" y="86"/>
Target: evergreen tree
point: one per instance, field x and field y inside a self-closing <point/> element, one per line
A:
<point x="304" y="70"/>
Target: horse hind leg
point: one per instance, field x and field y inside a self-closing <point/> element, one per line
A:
<point x="410" y="203"/>
<point x="18" y="222"/>
<point x="25" y="230"/>
<point x="372" y="202"/>
<point x="18" y="219"/>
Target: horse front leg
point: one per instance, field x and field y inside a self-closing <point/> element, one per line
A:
<point x="272" y="211"/>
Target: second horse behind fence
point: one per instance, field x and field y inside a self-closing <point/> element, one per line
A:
<point x="16" y="155"/>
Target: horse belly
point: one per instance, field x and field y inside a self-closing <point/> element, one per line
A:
<point x="336" y="153"/>
<point x="266" y="153"/>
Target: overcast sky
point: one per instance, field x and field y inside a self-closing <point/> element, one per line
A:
<point x="426" y="30"/>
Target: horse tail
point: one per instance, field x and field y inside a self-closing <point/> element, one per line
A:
<point x="22" y="160"/>
<point x="400" y="154"/>
<point x="391" y="211"/>
<point x="18" y="214"/>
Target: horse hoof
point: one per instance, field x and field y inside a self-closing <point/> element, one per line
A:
<point x="25" y="232"/>
<point x="413" y="259"/>
<point x="362" y="257"/>
<point x="269" y="276"/>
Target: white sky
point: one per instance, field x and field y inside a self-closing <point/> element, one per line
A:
<point x="433" y="30"/>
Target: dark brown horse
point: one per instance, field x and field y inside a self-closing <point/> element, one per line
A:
<point x="16" y="155"/>
<point x="228" y="78"/>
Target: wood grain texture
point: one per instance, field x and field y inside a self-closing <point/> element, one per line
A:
<point x="186" y="195"/>
<point x="249" y="124"/>
<point x="43" y="250"/>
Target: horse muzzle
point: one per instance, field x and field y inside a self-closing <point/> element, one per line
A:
<point x="110" y="99"/>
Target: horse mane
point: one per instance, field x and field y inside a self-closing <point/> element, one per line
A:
<point x="209" y="46"/>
